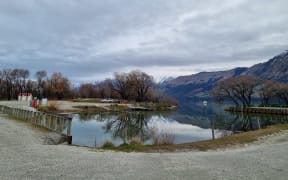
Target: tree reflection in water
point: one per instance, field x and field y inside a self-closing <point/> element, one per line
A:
<point x="122" y="127"/>
<point x="129" y="125"/>
<point x="242" y="122"/>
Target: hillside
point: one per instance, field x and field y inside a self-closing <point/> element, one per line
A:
<point x="199" y="85"/>
<point x="275" y="69"/>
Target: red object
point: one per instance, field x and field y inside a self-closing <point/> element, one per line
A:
<point x="34" y="103"/>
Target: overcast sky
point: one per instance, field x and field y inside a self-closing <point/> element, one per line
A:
<point x="88" y="40"/>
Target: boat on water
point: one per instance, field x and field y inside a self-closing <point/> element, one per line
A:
<point x="205" y="103"/>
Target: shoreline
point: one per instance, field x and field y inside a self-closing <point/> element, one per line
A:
<point x="259" y="110"/>
<point x="23" y="154"/>
<point x="220" y="143"/>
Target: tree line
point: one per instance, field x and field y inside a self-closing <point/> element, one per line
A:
<point x="133" y="86"/>
<point x="15" y="81"/>
<point x="241" y="90"/>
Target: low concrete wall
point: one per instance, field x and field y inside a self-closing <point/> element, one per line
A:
<point x="59" y="124"/>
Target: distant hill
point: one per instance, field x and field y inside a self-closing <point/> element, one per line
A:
<point x="275" y="69"/>
<point x="199" y="85"/>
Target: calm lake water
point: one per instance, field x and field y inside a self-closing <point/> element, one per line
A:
<point x="191" y="122"/>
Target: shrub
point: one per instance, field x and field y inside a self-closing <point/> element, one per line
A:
<point x="52" y="105"/>
<point x="108" y="145"/>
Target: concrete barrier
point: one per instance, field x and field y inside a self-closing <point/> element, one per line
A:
<point x="56" y="123"/>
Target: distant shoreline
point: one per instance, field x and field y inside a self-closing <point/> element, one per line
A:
<point x="260" y="110"/>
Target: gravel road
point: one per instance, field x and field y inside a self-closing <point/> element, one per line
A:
<point x="24" y="154"/>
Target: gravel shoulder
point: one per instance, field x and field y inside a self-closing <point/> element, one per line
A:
<point x="24" y="154"/>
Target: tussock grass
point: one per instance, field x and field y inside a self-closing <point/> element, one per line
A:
<point x="224" y="142"/>
<point x="135" y="141"/>
<point x="163" y="137"/>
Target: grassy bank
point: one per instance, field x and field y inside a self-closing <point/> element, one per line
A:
<point x="116" y="107"/>
<point x="224" y="142"/>
<point x="87" y="100"/>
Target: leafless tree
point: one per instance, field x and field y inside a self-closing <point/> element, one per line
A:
<point x="239" y="90"/>
<point x="267" y="91"/>
<point x="141" y="84"/>
<point x="87" y="90"/>
<point x="59" y="86"/>
<point x="8" y="78"/>
<point x="104" y="90"/>
<point x="121" y="85"/>
<point x="40" y="75"/>
<point x="282" y="92"/>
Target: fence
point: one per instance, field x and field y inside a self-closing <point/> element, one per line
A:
<point x="57" y="123"/>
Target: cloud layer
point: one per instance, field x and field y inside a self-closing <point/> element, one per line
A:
<point x="89" y="40"/>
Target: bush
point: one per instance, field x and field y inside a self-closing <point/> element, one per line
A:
<point x="52" y="107"/>
<point x="42" y="108"/>
<point x="108" y="145"/>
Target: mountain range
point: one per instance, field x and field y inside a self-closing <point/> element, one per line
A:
<point x="200" y="85"/>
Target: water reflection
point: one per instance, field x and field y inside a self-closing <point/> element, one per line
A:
<point x="188" y="124"/>
<point x="94" y="130"/>
<point x="129" y="125"/>
<point x="242" y="122"/>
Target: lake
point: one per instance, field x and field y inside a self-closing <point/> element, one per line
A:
<point x="191" y="122"/>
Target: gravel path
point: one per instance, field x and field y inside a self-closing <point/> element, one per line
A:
<point x="24" y="155"/>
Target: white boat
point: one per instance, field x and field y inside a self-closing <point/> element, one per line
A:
<point x="205" y="103"/>
<point x="109" y="100"/>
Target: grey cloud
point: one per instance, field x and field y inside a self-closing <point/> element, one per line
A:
<point x="91" y="38"/>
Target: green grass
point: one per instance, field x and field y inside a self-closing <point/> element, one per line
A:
<point x="87" y="100"/>
<point x="108" y="145"/>
<point x="118" y="107"/>
<point x="91" y="109"/>
<point x="157" y="106"/>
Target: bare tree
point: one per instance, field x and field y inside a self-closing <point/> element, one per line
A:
<point x="104" y="90"/>
<point x="282" y="93"/>
<point x="8" y="78"/>
<point x="2" y="85"/>
<point x="24" y="74"/>
<point x="121" y="85"/>
<point x="59" y="86"/>
<point x="141" y="84"/>
<point x="87" y="90"/>
<point x="268" y="90"/>
<point x="40" y="75"/>
<point x="224" y="91"/>
<point x="239" y="90"/>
